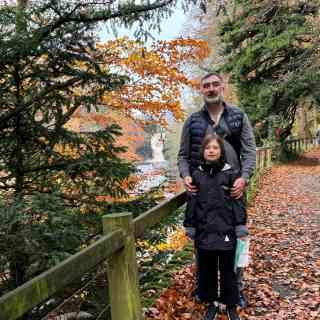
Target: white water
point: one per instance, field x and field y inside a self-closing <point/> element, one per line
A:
<point x="157" y="145"/>
<point x="152" y="170"/>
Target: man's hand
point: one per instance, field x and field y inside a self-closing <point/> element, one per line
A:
<point x="188" y="184"/>
<point x="238" y="188"/>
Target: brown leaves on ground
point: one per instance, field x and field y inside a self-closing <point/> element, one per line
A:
<point x="283" y="280"/>
<point x="177" y="302"/>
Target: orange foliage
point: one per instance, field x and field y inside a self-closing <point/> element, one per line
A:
<point x="133" y="133"/>
<point x="178" y="239"/>
<point x="156" y="74"/>
<point x="155" y="77"/>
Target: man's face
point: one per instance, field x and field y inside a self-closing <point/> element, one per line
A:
<point x="212" y="89"/>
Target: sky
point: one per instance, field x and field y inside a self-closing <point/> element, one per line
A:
<point x="171" y="28"/>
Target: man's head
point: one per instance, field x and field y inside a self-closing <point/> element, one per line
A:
<point x="212" y="87"/>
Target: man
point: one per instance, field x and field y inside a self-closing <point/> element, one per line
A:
<point x="230" y="123"/>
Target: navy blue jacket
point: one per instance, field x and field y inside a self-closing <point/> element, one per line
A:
<point x="233" y="126"/>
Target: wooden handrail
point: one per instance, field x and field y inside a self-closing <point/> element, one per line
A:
<point x="19" y="301"/>
<point x="156" y="214"/>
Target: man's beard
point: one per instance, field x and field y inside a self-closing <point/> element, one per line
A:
<point x="213" y="99"/>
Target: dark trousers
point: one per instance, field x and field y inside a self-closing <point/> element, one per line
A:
<point x="240" y="280"/>
<point x="208" y="264"/>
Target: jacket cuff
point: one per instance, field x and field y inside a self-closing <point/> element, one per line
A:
<point x="185" y="173"/>
<point x="190" y="232"/>
<point x="246" y="176"/>
<point x="242" y="231"/>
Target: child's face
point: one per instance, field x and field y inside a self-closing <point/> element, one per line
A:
<point x="212" y="151"/>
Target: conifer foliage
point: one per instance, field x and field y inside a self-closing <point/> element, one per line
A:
<point x="273" y="57"/>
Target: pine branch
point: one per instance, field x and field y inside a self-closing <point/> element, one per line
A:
<point x="79" y="17"/>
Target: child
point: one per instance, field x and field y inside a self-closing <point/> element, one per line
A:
<point x="214" y="220"/>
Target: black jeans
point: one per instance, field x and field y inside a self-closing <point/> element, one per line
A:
<point x="208" y="264"/>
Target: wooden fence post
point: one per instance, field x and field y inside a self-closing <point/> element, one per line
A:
<point x="269" y="157"/>
<point x="123" y="271"/>
<point x="258" y="160"/>
<point x="289" y="146"/>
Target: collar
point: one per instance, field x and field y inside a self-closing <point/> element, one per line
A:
<point x="226" y="108"/>
<point x="226" y="167"/>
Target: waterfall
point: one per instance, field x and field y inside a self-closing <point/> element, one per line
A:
<point x="157" y="145"/>
<point x="152" y="171"/>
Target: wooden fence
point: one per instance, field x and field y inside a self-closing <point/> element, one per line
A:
<point x="117" y="247"/>
<point x="301" y="145"/>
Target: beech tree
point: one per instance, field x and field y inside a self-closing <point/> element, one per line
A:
<point x="156" y="74"/>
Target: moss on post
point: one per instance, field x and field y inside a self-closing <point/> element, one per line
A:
<point x="18" y="302"/>
<point x="123" y="271"/>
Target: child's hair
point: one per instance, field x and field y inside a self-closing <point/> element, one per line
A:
<point x="213" y="137"/>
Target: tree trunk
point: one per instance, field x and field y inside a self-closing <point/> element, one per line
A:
<point x="21" y="24"/>
<point x="19" y="258"/>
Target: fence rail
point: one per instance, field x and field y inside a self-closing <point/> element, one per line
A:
<point x="117" y="246"/>
<point x="300" y="145"/>
<point x="19" y="301"/>
<point x="156" y="214"/>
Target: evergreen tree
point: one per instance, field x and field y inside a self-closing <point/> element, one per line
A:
<point x="273" y="57"/>
<point x="49" y="67"/>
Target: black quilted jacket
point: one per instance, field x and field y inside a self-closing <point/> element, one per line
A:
<point x="212" y="211"/>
